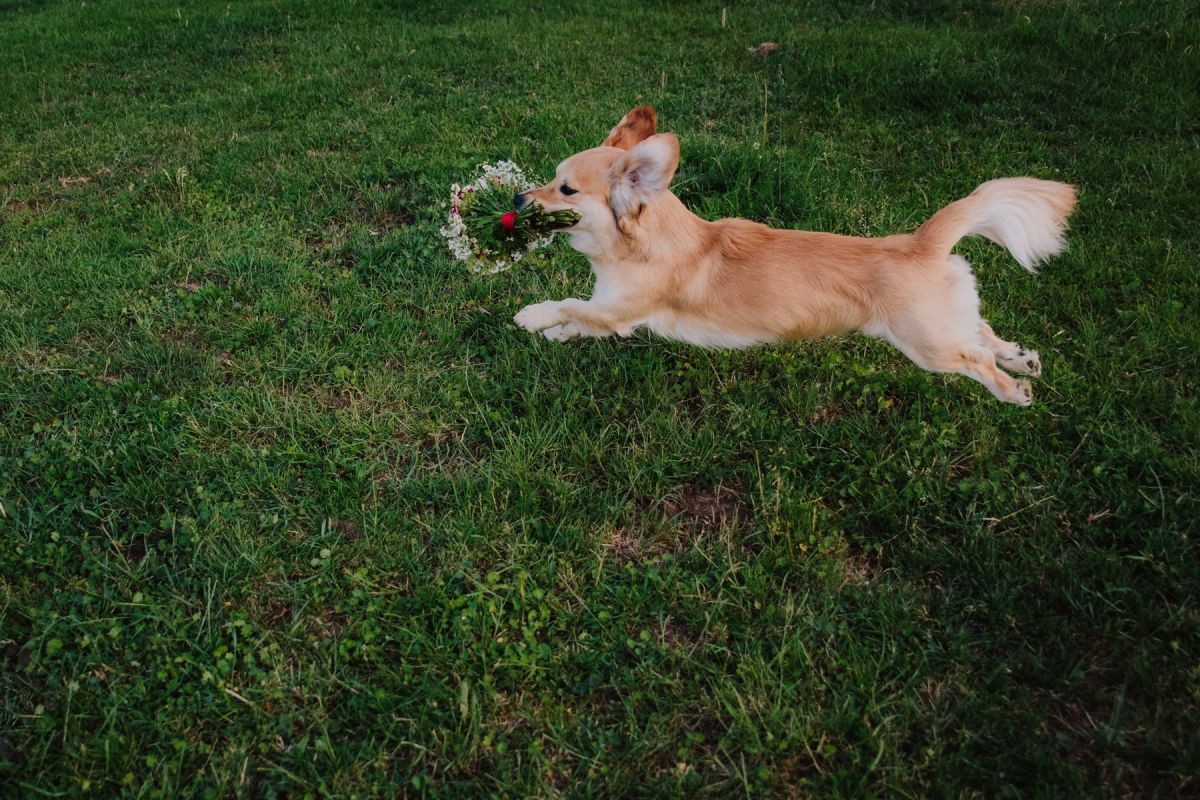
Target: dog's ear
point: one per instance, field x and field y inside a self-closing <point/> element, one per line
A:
<point x="635" y="126"/>
<point x="640" y="173"/>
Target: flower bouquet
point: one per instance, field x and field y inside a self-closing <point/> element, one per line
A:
<point x="485" y="230"/>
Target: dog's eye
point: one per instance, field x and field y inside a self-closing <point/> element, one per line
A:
<point x="567" y="190"/>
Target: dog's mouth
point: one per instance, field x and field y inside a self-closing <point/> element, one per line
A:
<point x="563" y="220"/>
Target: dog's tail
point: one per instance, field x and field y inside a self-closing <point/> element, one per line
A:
<point x="1026" y="215"/>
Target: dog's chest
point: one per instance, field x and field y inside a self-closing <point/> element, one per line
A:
<point x="682" y="328"/>
<point x="617" y="287"/>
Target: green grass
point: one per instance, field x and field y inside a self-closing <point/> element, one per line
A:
<point x="289" y="506"/>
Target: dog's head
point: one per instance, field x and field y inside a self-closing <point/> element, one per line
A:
<point x="610" y="185"/>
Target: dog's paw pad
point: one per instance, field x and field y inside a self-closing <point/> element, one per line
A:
<point x="1023" y="396"/>
<point x="1024" y="362"/>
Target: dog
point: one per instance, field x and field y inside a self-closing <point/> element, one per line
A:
<point x="736" y="283"/>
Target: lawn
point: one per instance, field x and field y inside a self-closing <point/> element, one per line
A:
<point x="289" y="505"/>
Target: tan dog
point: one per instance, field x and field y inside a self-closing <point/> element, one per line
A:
<point x="734" y="283"/>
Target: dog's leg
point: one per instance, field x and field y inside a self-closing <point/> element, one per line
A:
<point x="562" y="333"/>
<point x="977" y="363"/>
<point x="560" y="320"/>
<point x="1010" y="355"/>
<point x="980" y="364"/>
<point x="941" y="331"/>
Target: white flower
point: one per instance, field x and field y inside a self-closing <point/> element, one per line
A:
<point x="460" y="243"/>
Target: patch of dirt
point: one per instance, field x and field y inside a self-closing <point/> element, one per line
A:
<point x="183" y="336"/>
<point x="631" y="546"/>
<point x="826" y="414"/>
<point x="271" y="612"/>
<point x="859" y="569"/>
<point x="134" y="552"/>
<point x="348" y="530"/>
<point x="510" y="711"/>
<point x="701" y="508"/>
<point x="15" y="657"/>
<point x="677" y="636"/>
<point x="393" y="218"/>
<point x="961" y="467"/>
<point x="673" y="522"/>
<point x="1073" y="729"/>
<point x="339" y="398"/>
<point x="331" y="237"/>
<point x="1077" y="721"/>
<point x="25" y="206"/>
<point x="624" y="545"/>
<point x="278" y="612"/>
<point x="330" y="624"/>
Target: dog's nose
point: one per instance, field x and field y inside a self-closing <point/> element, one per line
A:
<point x="520" y="201"/>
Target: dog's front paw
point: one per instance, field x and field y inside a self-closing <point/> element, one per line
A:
<point x="561" y="333"/>
<point x="539" y="316"/>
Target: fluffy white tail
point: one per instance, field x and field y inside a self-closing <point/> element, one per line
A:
<point x="1025" y="215"/>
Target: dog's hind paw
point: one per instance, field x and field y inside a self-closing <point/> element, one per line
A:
<point x="1023" y="394"/>
<point x="1023" y="362"/>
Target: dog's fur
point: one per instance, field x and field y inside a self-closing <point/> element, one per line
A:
<point x="734" y="283"/>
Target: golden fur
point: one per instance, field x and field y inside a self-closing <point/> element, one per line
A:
<point x="734" y="283"/>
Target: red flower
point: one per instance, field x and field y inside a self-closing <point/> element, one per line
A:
<point x="509" y="220"/>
